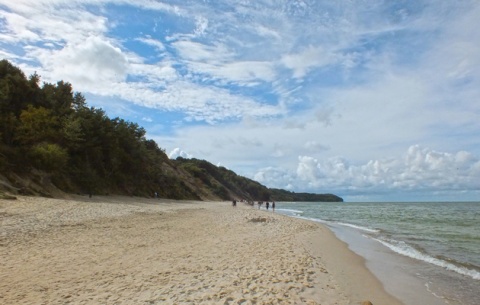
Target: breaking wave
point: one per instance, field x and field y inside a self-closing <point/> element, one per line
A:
<point x="409" y="251"/>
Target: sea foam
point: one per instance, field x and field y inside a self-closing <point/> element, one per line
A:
<point x="290" y="211"/>
<point x="358" y="227"/>
<point x="407" y="250"/>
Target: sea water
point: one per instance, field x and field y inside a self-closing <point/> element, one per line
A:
<point x="423" y="252"/>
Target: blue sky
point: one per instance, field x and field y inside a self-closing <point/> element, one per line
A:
<point x="370" y="100"/>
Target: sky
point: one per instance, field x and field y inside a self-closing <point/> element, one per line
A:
<point x="369" y="100"/>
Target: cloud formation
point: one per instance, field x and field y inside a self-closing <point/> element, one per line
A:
<point x="418" y="169"/>
<point x="305" y="95"/>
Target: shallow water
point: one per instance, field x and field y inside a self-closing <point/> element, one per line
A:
<point x="433" y="248"/>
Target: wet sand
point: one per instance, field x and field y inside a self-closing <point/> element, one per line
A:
<point x="123" y="250"/>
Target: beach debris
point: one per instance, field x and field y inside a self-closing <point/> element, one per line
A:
<point x="259" y="219"/>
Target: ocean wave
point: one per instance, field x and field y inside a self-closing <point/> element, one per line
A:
<point x="313" y="219"/>
<point x="358" y="227"/>
<point x="290" y="211"/>
<point x="407" y="250"/>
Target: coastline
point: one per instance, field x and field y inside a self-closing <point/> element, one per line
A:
<point x="423" y="253"/>
<point x="124" y="250"/>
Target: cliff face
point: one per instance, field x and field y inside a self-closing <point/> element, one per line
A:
<point x="182" y="179"/>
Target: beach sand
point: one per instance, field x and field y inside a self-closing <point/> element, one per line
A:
<point x="122" y="250"/>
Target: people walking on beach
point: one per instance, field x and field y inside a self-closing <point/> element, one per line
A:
<point x="267" y="205"/>
<point x="234" y="203"/>
<point x="273" y="206"/>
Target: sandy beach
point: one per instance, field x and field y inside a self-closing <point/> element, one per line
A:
<point x="121" y="250"/>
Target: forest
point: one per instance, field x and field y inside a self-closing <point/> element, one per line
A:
<point x="50" y="140"/>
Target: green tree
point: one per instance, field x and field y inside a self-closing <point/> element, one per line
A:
<point x="8" y="127"/>
<point x="59" y="98"/>
<point x="15" y="91"/>
<point x="73" y="134"/>
<point x="79" y="101"/>
<point x="37" y="125"/>
<point x="49" y="157"/>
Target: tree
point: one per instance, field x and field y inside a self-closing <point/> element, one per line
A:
<point x="37" y="125"/>
<point x="49" y="157"/>
<point x="79" y="101"/>
<point x="59" y="98"/>
<point x="15" y="91"/>
<point x="73" y="133"/>
<point x="8" y="127"/>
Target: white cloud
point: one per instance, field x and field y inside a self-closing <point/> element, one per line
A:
<point x="241" y="73"/>
<point x="315" y="146"/>
<point x="418" y="168"/>
<point x="198" y="52"/>
<point x="218" y="62"/>
<point x="311" y="57"/>
<point x="157" y="75"/>
<point x="202" y="25"/>
<point x="266" y="31"/>
<point x="89" y="63"/>
<point x="18" y="28"/>
<point x="56" y="21"/>
<point x="275" y="177"/>
<point x="177" y="152"/>
<point x="308" y="169"/>
<point x="152" y="42"/>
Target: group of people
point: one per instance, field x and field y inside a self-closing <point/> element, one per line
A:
<point x="267" y="205"/>
<point x="259" y="203"/>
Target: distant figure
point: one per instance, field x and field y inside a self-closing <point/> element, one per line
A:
<point x="234" y="203"/>
<point x="273" y="206"/>
<point x="260" y="204"/>
<point x="156" y="195"/>
<point x="267" y="205"/>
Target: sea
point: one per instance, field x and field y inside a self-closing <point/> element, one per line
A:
<point x="425" y="253"/>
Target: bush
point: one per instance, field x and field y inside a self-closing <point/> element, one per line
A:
<point x="49" y="157"/>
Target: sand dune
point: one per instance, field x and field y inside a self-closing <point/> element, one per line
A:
<point x="120" y="250"/>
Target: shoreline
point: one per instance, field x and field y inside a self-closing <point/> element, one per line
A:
<point x="383" y="263"/>
<point x="125" y="250"/>
<point x="400" y="254"/>
<point x="348" y="268"/>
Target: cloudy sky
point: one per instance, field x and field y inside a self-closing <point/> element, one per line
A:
<point x="370" y="100"/>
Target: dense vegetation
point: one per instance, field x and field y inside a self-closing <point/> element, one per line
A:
<point x="283" y="195"/>
<point x="51" y="128"/>
<point x="224" y="183"/>
<point x="49" y="137"/>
